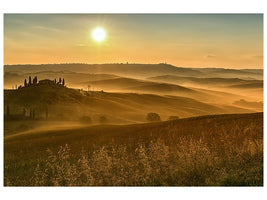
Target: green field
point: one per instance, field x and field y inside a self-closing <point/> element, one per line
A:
<point x="218" y="150"/>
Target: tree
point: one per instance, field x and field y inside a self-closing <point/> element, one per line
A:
<point x="34" y="81"/>
<point x="59" y="80"/>
<point x="30" y="80"/>
<point x="63" y="82"/>
<point x="103" y="119"/>
<point x="55" y="80"/>
<point x="153" y="117"/>
<point x="25" y="82"/>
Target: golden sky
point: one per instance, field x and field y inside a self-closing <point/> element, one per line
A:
<point x="184" y="40"/>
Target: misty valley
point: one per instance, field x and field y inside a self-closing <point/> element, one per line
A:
<point x="132" y="125"/>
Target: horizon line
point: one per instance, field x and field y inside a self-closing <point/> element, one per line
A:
<point x="128" y="63"/>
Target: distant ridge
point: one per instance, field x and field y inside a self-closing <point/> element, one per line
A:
<point x="138" y="70"/>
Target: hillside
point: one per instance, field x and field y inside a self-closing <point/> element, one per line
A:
<point x="122" y="84"/>
<point x="206" y="150"/>
<point x="138" y="70"/>
<point x="203" y="81"/>
<point x="248" y="86"/>
<point x="70" y="104"/>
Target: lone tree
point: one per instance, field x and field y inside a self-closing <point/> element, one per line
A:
<point x="103" y="119"/>
<point x="153" y="117"/>
<point x="63" y="82"/>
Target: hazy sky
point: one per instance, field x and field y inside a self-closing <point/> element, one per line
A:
<point x="186" y="40"/>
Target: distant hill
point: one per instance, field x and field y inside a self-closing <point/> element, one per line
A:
<point x="202" y="81"/>
<point x="145" y="86"/>
<point x="138" y="70"/>
<point x="66" y="103"/>
<point x="247" y="86"/>
<point x="249" y="104"/>
<point x="233" y="73"/>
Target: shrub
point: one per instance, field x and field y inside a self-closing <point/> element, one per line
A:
<point x="103" y="119"/>
<point x="153" y="117"/>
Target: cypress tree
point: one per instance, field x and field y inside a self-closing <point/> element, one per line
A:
<point x="25" y="82"/>
<point x="63" y="82"/>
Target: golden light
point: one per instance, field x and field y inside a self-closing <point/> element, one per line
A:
<point x="99" y="34"/>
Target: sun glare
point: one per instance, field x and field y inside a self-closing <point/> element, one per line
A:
<point x="99" y="34"/>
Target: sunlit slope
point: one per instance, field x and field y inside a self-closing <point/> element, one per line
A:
<point x="225" y="147"/>
<point x="121" y="133"/>
<point x="70" y="104"/>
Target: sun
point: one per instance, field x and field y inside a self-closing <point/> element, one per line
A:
<point x="99" y="34"/>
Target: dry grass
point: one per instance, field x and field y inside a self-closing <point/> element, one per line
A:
<point x="207" y="151"/>
<point x="190" y="162"/>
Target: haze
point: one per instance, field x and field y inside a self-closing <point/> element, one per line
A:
<point x="187" y="40"/>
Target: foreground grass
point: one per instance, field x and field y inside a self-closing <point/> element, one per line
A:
<point x="207" y="151"/>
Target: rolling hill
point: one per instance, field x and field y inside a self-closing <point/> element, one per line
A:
<point x="69" y="104"/>
<point x="211" y="82"/>
<point x="138" y="70"/>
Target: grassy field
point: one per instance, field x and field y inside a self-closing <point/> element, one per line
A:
<point x="219" y="150"/>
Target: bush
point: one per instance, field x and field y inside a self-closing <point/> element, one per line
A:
<point x="103" y="120"/>
<point x="86" y="120"/>
<point x="153" y="117"/>
<point x="173" y="118"/>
